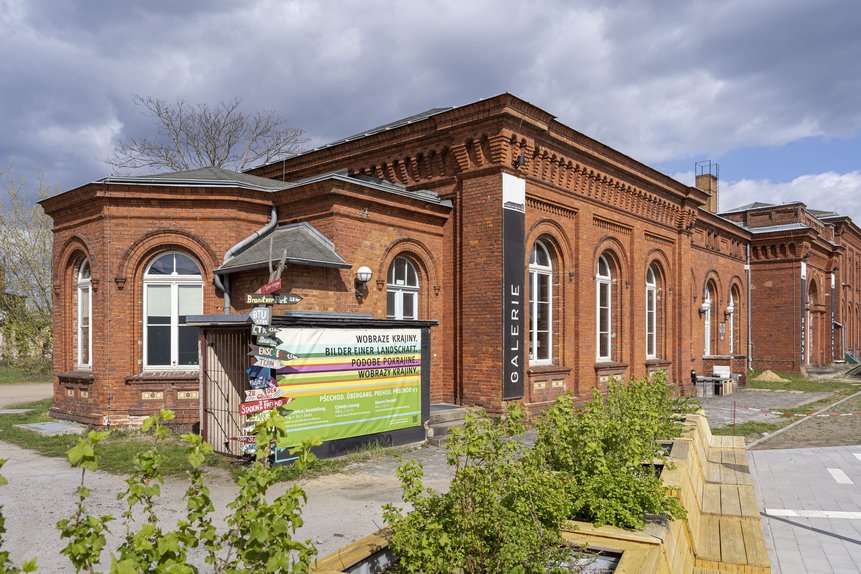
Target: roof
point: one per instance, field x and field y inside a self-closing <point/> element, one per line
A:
<point x="304" y="244"/>
<point x="775" y="228"/>
<point x="383" y="128"/>
<point x="818" y="213"/>
<point x="205" y="176"/>
<point x="754" y="205"/>
<point x="220" y="177"/>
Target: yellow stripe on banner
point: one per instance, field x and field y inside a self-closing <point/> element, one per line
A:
<point x="314" y="390"/>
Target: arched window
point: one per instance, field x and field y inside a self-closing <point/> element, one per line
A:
<point x="730" y="312"/>
<point x="173" y="290"/>
<point x="540" y="305"/>
<point x="403" y="290"/>
<point x="85" y="315"/>
<point x="604" y="310"/>
<point x="708" y="310"/>
<point x="651" y="312"/>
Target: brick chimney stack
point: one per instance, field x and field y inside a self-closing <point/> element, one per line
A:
<point x="707" y="181"/>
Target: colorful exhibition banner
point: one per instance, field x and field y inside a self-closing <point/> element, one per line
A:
<point x="351" y="382"/>
<point x="513" y="312"/>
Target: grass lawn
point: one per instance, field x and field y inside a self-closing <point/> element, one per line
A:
<point x="117" y="452"/>
<point x="12" y="375"/>
<point x="754" y="430"/>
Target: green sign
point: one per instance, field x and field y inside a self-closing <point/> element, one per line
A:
<point x="351" y="382"/>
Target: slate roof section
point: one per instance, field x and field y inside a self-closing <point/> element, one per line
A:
<point x="773" y="228"/>
<point x="379" y="129"/>
<point x="205" y="176"/>
<point x="754" y="205"/>
<point x="304" y="244"/>
<point x="219" y="177"/>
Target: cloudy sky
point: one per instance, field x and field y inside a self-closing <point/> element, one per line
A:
<point x="769" y="89"/>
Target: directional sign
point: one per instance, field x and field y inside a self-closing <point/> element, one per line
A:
<point x="271" y="352"/>
<point x="260" y="406"/>
<point x="256" y="299"/>
<point x="261" y="315"/>
<point x="271" y="287"/>
<point x="266" y="299"/>
<point x="267" y="341"/>
<point x="263" y="330"/>
<point x="244" y="439"/>
<point x="266" y="393"/>
<point x="268" y="363"/>
<point x="287" y="299"/>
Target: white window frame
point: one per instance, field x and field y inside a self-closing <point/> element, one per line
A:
<point x="538" y="273"/>
<point x="85" y="290"/>
<point x="175" y="281"/>
<point x="651" y="313"/>
<point x="604" y="282"/>
<point x="707" y="342"/>
<point x="731" y="305"/>
<point x="402" y="290"/>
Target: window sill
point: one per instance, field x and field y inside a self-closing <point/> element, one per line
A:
<point x="77" y="376"/>
<point x="547" y="369"/>
<point x="610" y="366"/>
<point x="164" y="376"/>
<point x="658" y="363"/>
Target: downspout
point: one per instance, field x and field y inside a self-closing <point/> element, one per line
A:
<point x="224" y="285"/>
<point x="749" y="336"/>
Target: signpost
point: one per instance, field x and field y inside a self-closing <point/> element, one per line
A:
<point x="268" y="341"/>
<point x="261" y="316"/>
<point x="272" y="287"/>
<point x="264" y="393"/>
<point x="271" y="352"/>
<point x="263" y="330"/>
<point x="251" y="407"/>
<point x="268" y="363"/>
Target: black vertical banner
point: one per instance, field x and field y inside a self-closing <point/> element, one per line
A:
<point x="513" y="289"/>
<point x="804" y="342"/>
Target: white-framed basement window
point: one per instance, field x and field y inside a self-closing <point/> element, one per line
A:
<point x="540" y="305"/>
<point x="604" y="310"/>
<point x="402" y="291"/>
<point x="173" y="290"/>
<point x="85" y="316"/>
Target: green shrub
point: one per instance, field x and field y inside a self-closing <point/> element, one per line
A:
<point x="602" y="448"/>
<point x="501" y="514"/>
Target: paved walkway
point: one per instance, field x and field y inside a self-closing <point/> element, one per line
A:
<point x="24" y="393"/>
<point x="753" y="405"/>
<point x="810" y="500"/>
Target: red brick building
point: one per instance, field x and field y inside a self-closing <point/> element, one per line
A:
<point x="805" y="283"/>
<point x="551" y="261"/>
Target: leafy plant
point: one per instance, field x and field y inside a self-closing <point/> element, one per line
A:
<point x="602" y="449"/>
<point x="6" y="565"/>
<point x="501" y="514"/>
<point x="259" y="537"/>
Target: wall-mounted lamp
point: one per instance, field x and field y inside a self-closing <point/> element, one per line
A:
<point x="363" y="275"/>
<point x="730" y="309"/>
<point x="519" y="160"/>
<point x="692" y="224"/>
<point x="704" y="308"/>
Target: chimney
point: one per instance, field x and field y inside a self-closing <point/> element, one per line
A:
<point x="707" y="181"/>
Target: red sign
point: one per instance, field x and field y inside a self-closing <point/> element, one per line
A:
<point x="267" y="393"/>
<point x="252" y="407"/>
<point x="244" y="439"/>
<point x="271" y="352"/>
<point x="270" y="287"/>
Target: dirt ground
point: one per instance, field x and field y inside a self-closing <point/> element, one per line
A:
<point x="838" y="426"/>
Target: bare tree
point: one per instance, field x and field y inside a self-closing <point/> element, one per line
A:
<point x="191" y="136"/>
<point x="25" y="257"/>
